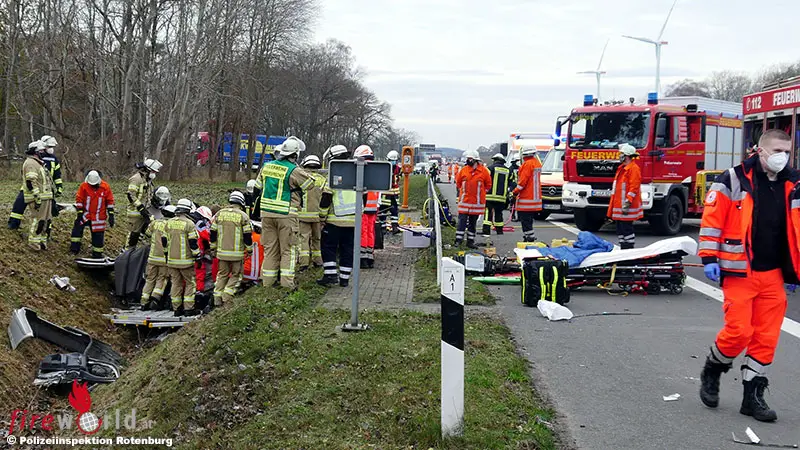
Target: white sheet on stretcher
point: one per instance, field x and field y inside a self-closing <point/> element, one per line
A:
<point x="665" y="246"/>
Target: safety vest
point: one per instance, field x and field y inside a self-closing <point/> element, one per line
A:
<point x="181" y="230"/>
<point x="627" y="186"/>
<point x="34" y="171"/>
<point x="373" y="202"/>
<point x="95" y="204"/>
<point x="343" y="212"/>
<point x="157" y="256"/>
<point x="231" y="225"/>
<point x="726" y="229"/>
<point x="276" y="196"/>
<point x="529" y="186"/>
<point x="140" y="191"/>
<point x="310" y="211"/>
<point x="500" y="178"/>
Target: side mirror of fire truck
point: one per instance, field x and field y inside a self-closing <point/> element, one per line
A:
<point x="661" y="131"/>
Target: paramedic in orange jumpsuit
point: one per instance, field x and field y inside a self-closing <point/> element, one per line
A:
<point x="749" y="242"/>
<point x="528" y="193"/>
<point x="472" y="183"/>
<point x="625" y="206"/>
<point x="369" y="216"/>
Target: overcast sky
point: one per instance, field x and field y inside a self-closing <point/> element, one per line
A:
<point x="464" y="73"/>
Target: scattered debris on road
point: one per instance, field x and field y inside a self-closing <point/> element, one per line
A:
<point x="62" y="283"/>
<point x="755" y="440"/>
<point x="604" y="313"/>
<point x="553" y="311"/>
<point x="672" y="398"/>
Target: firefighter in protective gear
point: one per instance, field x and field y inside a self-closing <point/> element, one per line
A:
<point x="161" y="198"/>
<point x="497" y="197"/>
<point x="338" y="232"/>
<point x="140" y="190"/>
<point x="749" y="239"/>
<point x="390" y="201"/>
<point x="528" y="193"/>
<point x="232" y="240"/>
<point x="53" y="165"/>
<point x="472" y="183"/>
<point x="251" y="200"/>
<point x="626" y="196"/>
<point x="94" y="203"/>
<point x="157" y="272"/>
<point x="452" y="171"/>
<point x="39" y="191"/>
<point x="369" y="216"/>
<point x="310" y="233"/>
<point x="281" y="184"/>
<point x="180" y="240"/>
<point x="24" y="196"/>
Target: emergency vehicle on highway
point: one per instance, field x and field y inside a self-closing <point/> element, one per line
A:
<point x="683" y="143"/>
<point x="777" y="107"/>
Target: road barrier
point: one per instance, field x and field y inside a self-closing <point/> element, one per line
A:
<point x="434" y="215"/>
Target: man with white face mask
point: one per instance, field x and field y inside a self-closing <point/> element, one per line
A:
<point x="749" y="242"/>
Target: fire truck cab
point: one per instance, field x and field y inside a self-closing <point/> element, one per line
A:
<point x="778" y="106"/>
<point x="683" y="144"/>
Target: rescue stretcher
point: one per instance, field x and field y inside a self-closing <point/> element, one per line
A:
<point x="652" y="270"/>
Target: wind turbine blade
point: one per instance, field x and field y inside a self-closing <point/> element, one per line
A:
<point x="649" y="41"/>
<point x="586" y="72"/>
<point x="602" y="55"/>
<point x="663" y="27"/>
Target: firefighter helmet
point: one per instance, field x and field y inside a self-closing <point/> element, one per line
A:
<point x="33" y="147"/>
<point x="162" y="196"/>
<point x="153" y="165"/>
<point x="291" y="146"/>
<point x="49" y="141"/>
<point x="337" y="150"/>
<point x="205" y="211"/>
<point x="93" y="178"/>
<point x="168" y="211"/>
<point x="393" y="155"/>
<point x="250" y="187"/>
<point x="472" y="154"/>
<point x="184" y="206"/>
<point x="363" y="151"/>
<point x="311" y="161"/>
<point x="499" y="157"/>
<point x="628" y="150"/>
<point x="236" y="198"/>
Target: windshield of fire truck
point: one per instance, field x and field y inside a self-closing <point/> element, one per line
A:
<point x="609" y="129"/>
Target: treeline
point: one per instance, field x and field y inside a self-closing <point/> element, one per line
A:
<point x="115" y="80"/>
<point x="732" y="86"/>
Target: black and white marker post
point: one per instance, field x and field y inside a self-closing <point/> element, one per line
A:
<point x="452" y="348"/>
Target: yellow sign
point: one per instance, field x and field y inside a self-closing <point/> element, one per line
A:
<point x="596" y="155"/>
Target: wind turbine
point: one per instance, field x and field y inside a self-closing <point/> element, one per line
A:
<point x="657" y="43"/>
<point x="598" y="73"/>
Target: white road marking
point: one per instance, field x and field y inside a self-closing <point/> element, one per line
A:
<point x="790" y="326"/>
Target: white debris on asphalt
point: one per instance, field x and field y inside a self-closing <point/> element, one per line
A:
<point x="672" y="398"/>
<point x="752" y="436"/>
<point x="553" y="311"/>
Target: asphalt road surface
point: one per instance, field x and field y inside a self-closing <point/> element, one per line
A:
<point x="606" y="376"/>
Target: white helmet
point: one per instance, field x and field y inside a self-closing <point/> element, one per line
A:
<point x="169" y="211"/>
<point x="337" y="150"/>
<point x="628" y="150"/>
<point x="236" y="198"/>
<point x="250" y="187"/>
<point x="528" y="151"/>
<point x="163" y="195"/>
<point x="184" y="206"/>
<point x="393" y="155"/>
<point x="499" y="157"/>
<point x="33" y="147"/>
<point x="363" y="151"/>
<point x="472" y="154"/>
<point x="153" y="165"/>
<point x="205" y="211"/>
<point x="93" y="178"/>
<point x="515" y="157"/>
<point x="291" y="146"/>
<point x="49" y="141"/>
<point x="311" y="160"/>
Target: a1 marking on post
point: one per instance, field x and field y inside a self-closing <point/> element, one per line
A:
<point x="452" y="280"/>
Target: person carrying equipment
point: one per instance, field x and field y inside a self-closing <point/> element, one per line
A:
<point x="472" y="183"/>
<point x="94" y="203"/>
<point x="140" y="188"/>
<point x="497" y="197"/>
<point x="38" y="194"/>
<point x="310" y="233"/>
<point x="369" y="216"/>
<point x="281" y="183"/>
<point x="157" y="272"/>
<point x="390" y="200"/>
<point x="626" y="196"/>
<point x="528" y="193"/>
<point x="749" y="242"/>
<point x="182" y="252"/>
<point x="338" y="233"/>
<point x="232" y="241"/>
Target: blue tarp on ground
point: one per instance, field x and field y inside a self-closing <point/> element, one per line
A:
<point x="587" y="244"/>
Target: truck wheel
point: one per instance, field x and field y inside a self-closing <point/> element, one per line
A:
<point x="589" y="220"/>
<point x="541" y="215"/>
<point x="668" y="223"/>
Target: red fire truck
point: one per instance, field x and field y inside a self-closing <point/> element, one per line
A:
<point x="683" y="143"/>
<point x="777" y="107"/>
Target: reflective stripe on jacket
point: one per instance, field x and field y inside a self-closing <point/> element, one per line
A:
<point x="96" y="204"/>
<point x="34" y="171"/>
<point x="310" y="210"/>
<point x="343" y="211"/>
<point x="157" y="256"/>
<point x="180" y="254"/>
<point x="231" y="225"/>
<point x="627" y="186"/>
<point x="472" y="183"/>
<point x="139" y="192"/>
<point x="529" y="186"/>
<point x="276" y="194"/>
<point x="500" y="176"/>
<point x="373" y="202"/>
<point x="727" y="225"/>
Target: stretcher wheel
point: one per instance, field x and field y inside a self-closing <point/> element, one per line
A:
<point x="675" y="289"/>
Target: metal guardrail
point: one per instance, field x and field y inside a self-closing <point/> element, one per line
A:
<point x="434" y="215"/>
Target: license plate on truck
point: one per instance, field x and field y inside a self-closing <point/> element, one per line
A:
<point x="552" y="206"/>
<point x="601" y="192"/>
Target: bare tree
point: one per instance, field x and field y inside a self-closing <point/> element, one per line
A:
<point x="729" y="86"/>
<point x="687" y="87"/>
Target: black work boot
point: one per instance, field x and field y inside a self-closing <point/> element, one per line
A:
<point x="709" y="382"/>
<point x="471" y="244"/>
<point x="395" y="228"/>
<point x="487" y="230"/>
<point x="180" y="311"/>
<point x="344" y="282"/>
<point x="328" y="280"/>
<point x="364" y="263"/>
<point x="498" y="230"/>
<point x="753" y="403"/>
<point x="626" y="246"/>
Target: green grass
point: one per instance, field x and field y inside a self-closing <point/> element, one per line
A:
<point x="417" y="191"/>
<point x="272" y="372"/>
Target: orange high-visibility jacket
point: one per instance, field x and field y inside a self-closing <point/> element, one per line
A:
<point x="373" y="202"/>
<point x="252" y="262"/>
<point x="453" y="170"/>
<point x="529" y="186"/>
<point x="726" y="228"/>
<point x="472" y="183"/>
<point x="95" y="203"/>
<point x="627" y="186"/>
